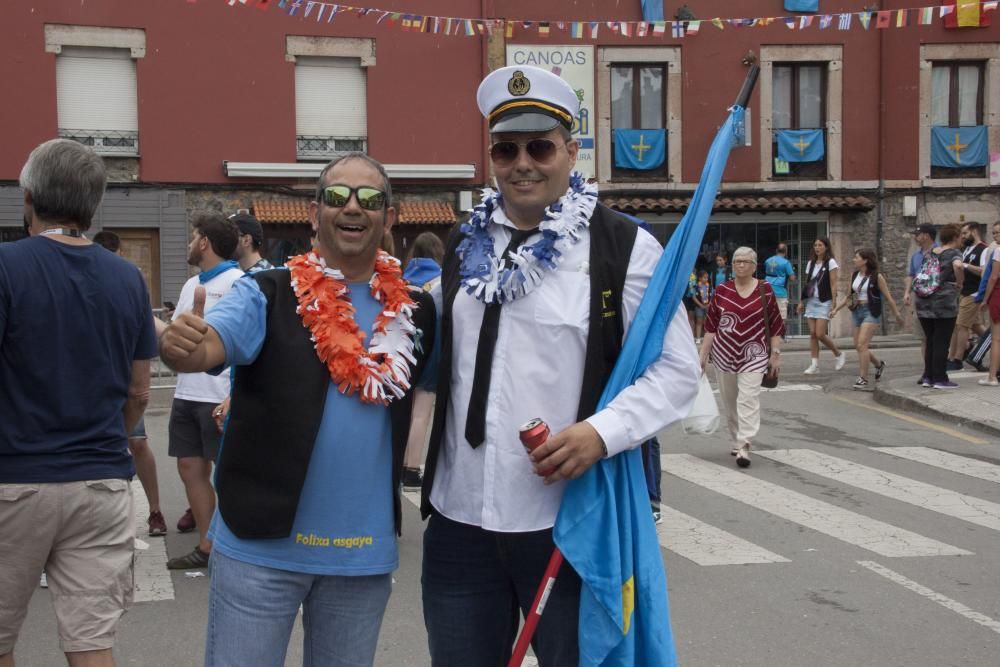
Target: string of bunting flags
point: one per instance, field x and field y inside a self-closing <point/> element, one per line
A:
<point x="469" y="27"/>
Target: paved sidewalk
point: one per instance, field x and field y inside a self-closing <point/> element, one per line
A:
<point x="970" y="406"/>
<point x="801" y="343"/>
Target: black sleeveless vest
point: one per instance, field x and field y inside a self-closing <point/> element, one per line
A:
<point x="611" y="240"/>
<point x="277" y="405"/>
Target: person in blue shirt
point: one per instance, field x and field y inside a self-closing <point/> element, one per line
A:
<point x="779" y="272"/>
<point x="721" y="272"/>
<point x="325" y="355"/>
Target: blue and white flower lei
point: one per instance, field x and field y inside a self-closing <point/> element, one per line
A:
<point x="490" y="280"/>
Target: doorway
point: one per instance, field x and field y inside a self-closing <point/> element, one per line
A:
<point x="142" y="248"/>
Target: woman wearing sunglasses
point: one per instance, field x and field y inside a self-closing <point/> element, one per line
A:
<point x="545" y="280"/>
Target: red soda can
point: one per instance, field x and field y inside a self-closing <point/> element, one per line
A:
<point x="533" y="434"/>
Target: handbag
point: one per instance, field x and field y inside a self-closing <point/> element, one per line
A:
<point x="770" y="379"/>
<point x="704" y="416"/>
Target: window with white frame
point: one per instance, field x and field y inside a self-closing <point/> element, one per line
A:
<point x="799" y="111"/>
<point x="638" y="108"/>
<point x="330" y="107"/>
<point x="958" y="141"/>
<point x="96" y="98"/>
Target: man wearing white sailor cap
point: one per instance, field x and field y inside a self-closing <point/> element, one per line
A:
<point x="539" y="286"/>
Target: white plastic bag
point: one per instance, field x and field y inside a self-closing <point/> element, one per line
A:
<point x="704" y="416"/>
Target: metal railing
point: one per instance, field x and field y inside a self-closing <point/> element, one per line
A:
<point x="161" y="377"/>
<point x="314" y="146"/>
<point x="106" y="142"/>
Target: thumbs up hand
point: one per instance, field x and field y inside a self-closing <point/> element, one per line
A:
<point x="186" y="333"/>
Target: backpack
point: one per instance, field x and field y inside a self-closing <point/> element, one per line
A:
<point x="928" y="281"/>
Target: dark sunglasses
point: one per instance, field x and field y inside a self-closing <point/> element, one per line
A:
<point x="542" y="151"/>
<point x="370" y="199"/>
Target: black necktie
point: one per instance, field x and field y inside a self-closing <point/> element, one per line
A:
<point x="475" y="421"/>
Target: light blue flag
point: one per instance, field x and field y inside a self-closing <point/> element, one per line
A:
<point x="800" y="145"/>
<point x="652" y="10"/>
<point x="604" y="527"/>
<point x="802" y="6"/>
<point x="640" y="149"/>
<point x="959" y="146"/>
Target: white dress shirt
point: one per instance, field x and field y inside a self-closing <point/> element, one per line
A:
<point x="538" y="372"/>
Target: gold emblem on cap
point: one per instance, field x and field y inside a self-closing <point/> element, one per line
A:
<point x="518" y="84"/>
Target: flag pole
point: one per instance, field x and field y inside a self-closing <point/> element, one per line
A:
<point x="556" y="560"/>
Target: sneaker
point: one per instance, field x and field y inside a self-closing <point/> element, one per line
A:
<point x="412" y="478"/>
<point x="989" y="382"/>
<point x="657" y="519"/>
<point x="813" y="368"/>
<point x="157" y="526"/>
<point x="947" y="384"/>
<point x="953" y="365"/>
<point x="860" y="384"/>
<point x="43" y="581"/>
<point x="743" y="456"/>
<point x="186" y="523"/>
<point x="925" y="381"/>
<point x="879" y="370"/>
<point x="841" y="359"/>
<point x="195" y="560"/>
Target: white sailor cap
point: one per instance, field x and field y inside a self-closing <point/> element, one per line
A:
<point x="521" y="98"/>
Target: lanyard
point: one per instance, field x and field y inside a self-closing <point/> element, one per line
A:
<point x="60" y="230"/>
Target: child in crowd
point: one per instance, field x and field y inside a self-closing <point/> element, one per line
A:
<point x="702" y="295"/>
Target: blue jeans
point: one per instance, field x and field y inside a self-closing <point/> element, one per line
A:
<point x="476" y="582"/>
<point x="251" y="611"/>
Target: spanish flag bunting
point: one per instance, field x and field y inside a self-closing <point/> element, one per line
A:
<point x="965" y="14"/>
<point x="543" y="29"/>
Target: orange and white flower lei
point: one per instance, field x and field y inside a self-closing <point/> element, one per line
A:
<point x="381" y="372"/>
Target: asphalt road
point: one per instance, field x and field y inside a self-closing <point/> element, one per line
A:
<point x="827" y="551"/>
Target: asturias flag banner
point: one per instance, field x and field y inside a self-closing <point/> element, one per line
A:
<point x="800" y="145"/>
<point x="640" y="149"/>
<point x="604" y="528"/>
<point x="959" y="146"/>
<point x="652" y="10"/>
<point x="801" y="5"/>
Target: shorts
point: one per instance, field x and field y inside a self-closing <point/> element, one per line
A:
<point x="995" y="306"/>
<point x="862" y="315"/>
<point x="968" y="312"/>
<point x="139" y="432"/>
<point x="82" y="535"/>
<point x="192" y="431"/>
<point x="818" y="310"/>
<point x="782" y="302"/>
<point x="700" y="312"/>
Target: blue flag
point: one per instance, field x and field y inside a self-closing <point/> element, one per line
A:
<point x="640" y="149"/>
<point x="802" y="6"/>
<point x="959" y="146"/>
<point x="800" y="145"/>
<point x="604" y="527"/>
<point x="652" y="10"/>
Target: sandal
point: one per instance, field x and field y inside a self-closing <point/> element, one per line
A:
<point x="743" y="456"/>
<point x="195" y="560"/>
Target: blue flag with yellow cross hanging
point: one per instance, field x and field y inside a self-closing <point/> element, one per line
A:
<point x="640" y="149"/>
<point x="800" y="145"/>
<point x="959" y="146"/>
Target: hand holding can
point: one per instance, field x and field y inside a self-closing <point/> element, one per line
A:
<point x="534" y="433"/>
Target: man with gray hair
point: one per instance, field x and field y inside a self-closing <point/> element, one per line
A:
<point x="76" y="337"/>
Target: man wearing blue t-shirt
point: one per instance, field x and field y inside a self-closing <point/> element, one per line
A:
<point x="324" y="357"/>
<point x="779" y="272"/>
<point x="76" y="337"/>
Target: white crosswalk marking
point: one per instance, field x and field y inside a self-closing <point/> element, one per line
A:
<point x="822" y="517"/>
<point x="946" y="461"/>
<point x="974" y="510"/>
<point x="944" y="601"/>
<point x="152" y="578"/>
<point x="708" y="545"/>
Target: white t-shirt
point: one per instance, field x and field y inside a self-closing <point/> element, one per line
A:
<point x="203" y="387"/>
<point x="860" y="287"/>
<point x="814" y="271"/>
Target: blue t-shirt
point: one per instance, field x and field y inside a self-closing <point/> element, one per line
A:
<point x="344" y="524"/>
<point x="72" y="321"/>
<point x="777" y="270"/>
<point x="720" y="276"/>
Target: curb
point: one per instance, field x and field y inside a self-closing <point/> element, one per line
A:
<point x="895" y="399"/>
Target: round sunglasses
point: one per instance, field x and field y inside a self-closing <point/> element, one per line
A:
<point x="542" y="151"/>
<point x="338" y="195"/>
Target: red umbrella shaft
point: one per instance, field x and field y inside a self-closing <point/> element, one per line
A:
<point x="537" y="607"/>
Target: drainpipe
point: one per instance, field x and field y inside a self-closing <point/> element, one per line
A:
<point x="880" y="222"/>
<point x="486" y="10"/>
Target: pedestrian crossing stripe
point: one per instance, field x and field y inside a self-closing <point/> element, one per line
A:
<point x="707" y="545"/>
<point x="851" y="527"/>
<point x="946" y="461"/>
<point x="926" y="496"/>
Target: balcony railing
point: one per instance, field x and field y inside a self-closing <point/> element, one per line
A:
<point x="106" y="142"/>
<point x="311" y="147"/>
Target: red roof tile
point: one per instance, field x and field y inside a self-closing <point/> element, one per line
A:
<point x="426" y="213"/>
<point x="282" y="211"/>
<point x="743" y="203"/>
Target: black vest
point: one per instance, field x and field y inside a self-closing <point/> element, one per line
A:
<point x="874" y="293"/>
<point x="611" y="239"/>
<point x="277" y="405"/>
<point x="823" y="289"/>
